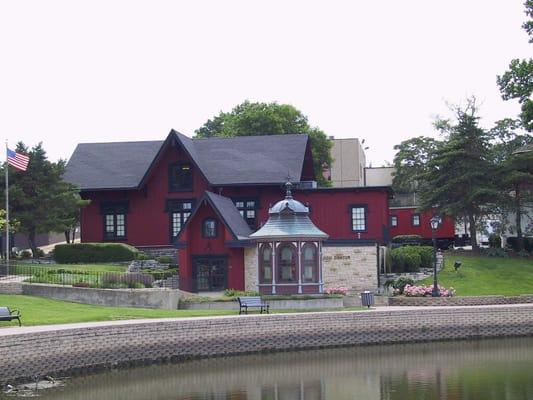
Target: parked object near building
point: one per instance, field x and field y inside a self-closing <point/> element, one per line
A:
<point x="203" y="199"/>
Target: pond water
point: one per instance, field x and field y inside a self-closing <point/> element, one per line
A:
<point x="487" y="369"/>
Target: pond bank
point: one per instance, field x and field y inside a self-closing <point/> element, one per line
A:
<point x="65" y="349"/>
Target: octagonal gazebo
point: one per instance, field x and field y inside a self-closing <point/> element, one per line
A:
<point x="289" y="250"/>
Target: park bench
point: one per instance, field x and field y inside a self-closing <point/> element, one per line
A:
<point x="252" y="301"/>
<point x="9" y="315"/>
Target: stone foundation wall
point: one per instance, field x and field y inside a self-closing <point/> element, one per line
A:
<point x="156" y="252"/>
<point x="459" y="301"/>
<point x="10" y="287"/>
<point x="351" y="267"/>
<point x="61" y="350"/>
<point x="250" y="269"/>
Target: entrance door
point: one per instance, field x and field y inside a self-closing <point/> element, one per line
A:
<point x="210" y="273"/>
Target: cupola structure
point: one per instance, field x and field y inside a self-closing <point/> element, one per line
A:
<point x="289" y="249"/>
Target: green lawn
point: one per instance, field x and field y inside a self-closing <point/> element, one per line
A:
<point x="480" y="275"/>
<point x="99" y="267"/>
<point x="43" y="311"/>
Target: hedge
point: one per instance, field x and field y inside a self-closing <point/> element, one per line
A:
<point x="411" y="258"/>
<point x="515" y="244"/>
<point x="94" y="252"/>
<point x="407" y="239"/>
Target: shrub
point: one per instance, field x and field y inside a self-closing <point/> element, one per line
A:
<point x="525" y="244"/>
<point x="495" y="252"/>
<point x="495" y="241"/>
<point x="410" y="239"/>
<point x="399" y="284"/>
<point x="238" y="293"/>
<point x="128" y="280"/>
<point x="158" y="274"/>
<point x="25" y="254"/>
<point x="164" y="260"/>
<point x="406" y="259"/>
<point x="94" y="252"/>
<point x="426" y="256"/>
<point x="523" y="254"/>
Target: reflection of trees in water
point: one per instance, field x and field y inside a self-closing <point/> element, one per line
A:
<point x="497" y="380"/>
<point x="369" y="372"/>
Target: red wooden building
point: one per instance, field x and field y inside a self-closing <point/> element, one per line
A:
<point x="202" y="198"/>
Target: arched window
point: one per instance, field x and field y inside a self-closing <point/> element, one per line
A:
<point x="265" y="264"/>
<point x="209" y="228"/>
<point x="309" y="263"/>
<point x="287" y="263"/>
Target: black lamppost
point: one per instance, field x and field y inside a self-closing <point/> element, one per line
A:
<point x="434" y="222"/>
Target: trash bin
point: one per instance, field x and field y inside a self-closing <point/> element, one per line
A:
<point x="367" y="298"/>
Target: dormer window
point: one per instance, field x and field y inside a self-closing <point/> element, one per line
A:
<point x="180" y="177"/>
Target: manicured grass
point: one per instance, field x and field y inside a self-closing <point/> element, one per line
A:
<point x="42" y="311"/>
<point x="479" y="276"/>
<point x="89" y="267"/>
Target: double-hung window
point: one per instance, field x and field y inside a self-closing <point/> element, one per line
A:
<point x="180" y="177"/>
<point x="394" y="220"/>
<point x="358" y="215"/>
<point x="416" y="219"/>
<point x="114" y="220"/>
<point x="179" y="211"/>
<point x="248" y="210"/>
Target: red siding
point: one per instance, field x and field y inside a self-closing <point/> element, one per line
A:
<point x="405" y="226"/>
<point x="147" y="223"/>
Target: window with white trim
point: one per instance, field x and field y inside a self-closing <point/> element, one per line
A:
<point x="358" y="218"/>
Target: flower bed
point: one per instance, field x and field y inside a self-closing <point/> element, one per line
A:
<point x="426" y="291"/>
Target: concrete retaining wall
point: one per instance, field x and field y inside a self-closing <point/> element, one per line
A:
<point x="60" y="350"/>
<point x="459" y="301"/>
<point x="274" y="304"/>
<point x="10" y="287"/>
<point x="146" y="298"/>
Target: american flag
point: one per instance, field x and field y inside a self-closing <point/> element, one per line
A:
<point x="17" y="160"/>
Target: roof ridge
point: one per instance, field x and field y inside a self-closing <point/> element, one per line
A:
<point x="248" y="136"/>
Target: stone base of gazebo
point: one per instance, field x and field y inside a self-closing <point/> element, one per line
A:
<point x="351" y="266"/>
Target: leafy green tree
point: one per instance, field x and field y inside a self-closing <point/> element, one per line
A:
<point x="271" y="119"/>
<point x="411" y="162"/>
<point x="38" y="198"/>
<point x="517" y="82"/>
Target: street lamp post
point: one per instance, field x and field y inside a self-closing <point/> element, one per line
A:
<point x="434" y="222"/>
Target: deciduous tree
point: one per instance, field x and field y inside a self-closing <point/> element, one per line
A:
<point x="250" y="119"/>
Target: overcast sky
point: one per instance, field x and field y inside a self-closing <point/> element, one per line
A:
<point x="93" y="71"/>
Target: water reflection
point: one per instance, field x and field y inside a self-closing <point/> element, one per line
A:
<point x="489" y="369"/>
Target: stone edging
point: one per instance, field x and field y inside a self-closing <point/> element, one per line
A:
<point x="50" y="350"/>
<point x="459" y="301"/>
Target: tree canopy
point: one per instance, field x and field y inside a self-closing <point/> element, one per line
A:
<point x="250" y="119"/>
<point x="517" y="81"/>
<point x="39" y="199"/>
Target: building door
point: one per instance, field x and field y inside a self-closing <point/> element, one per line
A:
<point x="210" y="274"/>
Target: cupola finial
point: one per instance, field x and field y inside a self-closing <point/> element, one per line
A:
<point x="288" y="187"/>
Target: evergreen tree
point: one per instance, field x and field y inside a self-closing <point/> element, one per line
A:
<point x="39" y="199"/>
<point x="460" y="177"/>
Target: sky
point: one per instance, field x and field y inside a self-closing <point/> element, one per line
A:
<point x="107" y="70"/>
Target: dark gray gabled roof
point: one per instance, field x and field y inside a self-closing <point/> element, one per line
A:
<point x="232" y="218"/>
<point x="251" y="159"/>
<point x="226" y="212"/>
<point x="118" y="165"/>
<point x="222" y="161"/>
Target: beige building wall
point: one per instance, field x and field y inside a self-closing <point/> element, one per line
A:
<point x="351" y="267"/>
<point x="380" y="176"/>
<point x="348" y="167"/>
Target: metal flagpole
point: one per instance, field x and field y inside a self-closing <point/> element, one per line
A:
<point x="7" y="214"/>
